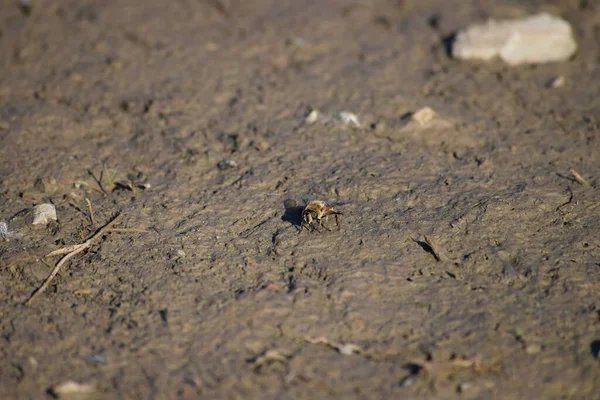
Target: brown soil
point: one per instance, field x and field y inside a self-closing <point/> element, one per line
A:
<point x="220" y="295"/>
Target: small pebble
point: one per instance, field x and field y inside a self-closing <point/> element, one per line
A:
<point x="44" y="213"/>
<point x="77" y="77"/>
<point x="424" y="116"/>
<point x="349" y="349"/>
<point x="96" y="358"/>
<point x="349" y="118"/>
<point x="227" y="164"/>
<point x="4" y="232"/>
<point x="539" y="38"/>
<point x="533" y="348"/>
<point x="556" y="82"/>
<point x="312" y="117"/>
<point x="408" y="381"/>
<point x="71" y="388"/>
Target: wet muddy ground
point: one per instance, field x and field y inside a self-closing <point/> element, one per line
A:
<point x="212" y="290"/>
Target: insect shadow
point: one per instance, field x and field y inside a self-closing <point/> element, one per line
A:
<point x="293" y="213"/>
<point x="595" y="349"/>
<point x="427" y="247"/>
<point x="448" y="43"/>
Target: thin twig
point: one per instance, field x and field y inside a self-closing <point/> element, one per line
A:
<point x="579" y="178"/>
<point x="91" y="211"/>
<point x="71" y="251"/>
<point x="64" y="250"/>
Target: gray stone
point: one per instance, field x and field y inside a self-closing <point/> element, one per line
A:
<point x="536" y="39"/>
<point x="4" y="232"/>
<point x="43" y="213"/>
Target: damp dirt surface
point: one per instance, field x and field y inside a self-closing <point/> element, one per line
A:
<point x="467" y="264"/>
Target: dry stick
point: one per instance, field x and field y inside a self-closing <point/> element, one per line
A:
<point x="579" y="178"/>
<point x="71" y="252"/>
<point x="91" y="211"/>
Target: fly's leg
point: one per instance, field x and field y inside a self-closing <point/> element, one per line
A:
<point x="314" y="226"/>
<point x="335" y="214"/>
<point x="307" y="222"/>
<point x="322" y="225"/>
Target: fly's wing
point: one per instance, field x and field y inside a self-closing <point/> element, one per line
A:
<point x="306" y="199"/>
<point x="338" y="202"/>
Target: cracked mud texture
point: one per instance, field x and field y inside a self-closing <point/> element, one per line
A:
<point x="223" y="296"/>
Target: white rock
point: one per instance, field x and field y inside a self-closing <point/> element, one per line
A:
<point x="556" y="82"/>
<point x="312" y="117"/>
<point x="43" y="213"/>
<point x="536" y="39"/>
<point x="349" y="118"/>
<point x="4" y="232"/>
<point x="70" y="389"/>
<point x="349" y="349"/>
<point x="425" y="119"/>
<point x="227" y="164"/>
<point x="424" y="116"/>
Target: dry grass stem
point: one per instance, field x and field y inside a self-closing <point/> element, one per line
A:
<point x="579" y="178"/>
<point x="98" y="182"/>
<point x="70" y="252"/>
<point x="90" y="211"/>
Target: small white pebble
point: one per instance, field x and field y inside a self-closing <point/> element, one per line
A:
<point x="424" y="115"/>
<point x="312" y="117"/>
<point x="226" y="164"/>
<point x="72" y="388"/>
<point x="33" y="361"/>
<point x="557" y="82"/>
<point x="44" y="213"/>
<point x="349" y="118"/>
<point x="408" y="381"/>
<point x="4" y="232"/>
<point x="349" y="349"/>
<point x="533" y="348"/>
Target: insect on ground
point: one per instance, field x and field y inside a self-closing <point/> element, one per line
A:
<point x="316" y="212"/>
